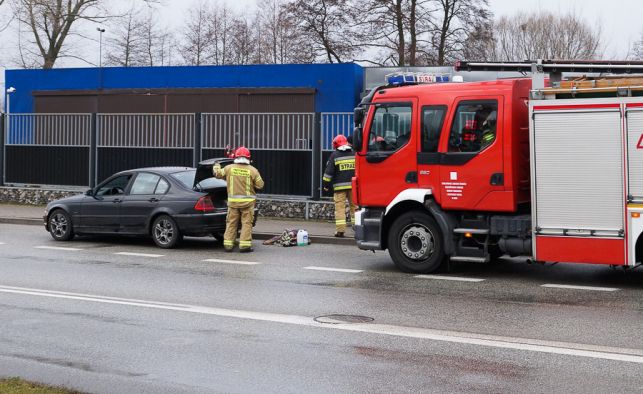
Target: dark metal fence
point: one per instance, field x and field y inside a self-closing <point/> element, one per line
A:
<point x="290" y="150"/>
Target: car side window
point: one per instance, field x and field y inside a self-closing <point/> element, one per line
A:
<point x="162" y="187"/>
<point x="474" y="126"/>
<point x="432" y="121"/>
<point x="390" y="128"/>
<point x="145" y="183"/>
<point x="114" y="187"/>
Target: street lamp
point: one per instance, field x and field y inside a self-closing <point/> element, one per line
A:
<point x="100" y="46"/>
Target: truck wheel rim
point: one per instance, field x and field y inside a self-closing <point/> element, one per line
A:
<point x="58" y="225"/>
<point x="164" y="232"/>
<point x="417" y="242"/>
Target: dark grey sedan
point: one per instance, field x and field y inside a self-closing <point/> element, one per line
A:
<point x="165" y="203"/>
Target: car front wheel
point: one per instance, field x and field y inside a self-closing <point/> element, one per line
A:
<point x="60" y="226"/>
<point x="165" y="232"/>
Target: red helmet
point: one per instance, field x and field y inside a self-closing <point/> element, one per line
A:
<point x="338" y="141"/>
<point x="242" y="151"/>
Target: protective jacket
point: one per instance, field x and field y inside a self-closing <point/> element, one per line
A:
<point x="340" y="169"/>
<point x="243" y="181"/>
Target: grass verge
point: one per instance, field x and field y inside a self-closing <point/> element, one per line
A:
<point x="19" y="386"/>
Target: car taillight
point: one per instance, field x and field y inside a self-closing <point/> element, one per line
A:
<point x="204" y="205"/>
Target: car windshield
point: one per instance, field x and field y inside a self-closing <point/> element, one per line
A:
<point x="187" y="179"/>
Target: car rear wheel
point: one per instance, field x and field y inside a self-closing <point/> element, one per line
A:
<point x="165" y="232"/>
<point x="60" y="226"/>
<point x="415" y="243"/>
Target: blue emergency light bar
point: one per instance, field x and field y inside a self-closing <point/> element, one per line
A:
<point x="411" y="78"/>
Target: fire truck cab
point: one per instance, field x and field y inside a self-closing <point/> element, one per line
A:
<point x="472" y="171"/>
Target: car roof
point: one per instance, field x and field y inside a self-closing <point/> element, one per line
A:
<point x="160" y="170"/>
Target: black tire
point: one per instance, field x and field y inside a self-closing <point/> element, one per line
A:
<point x="218" y="238"/>
<point x="60" y="225"/>
<point x="415" y="243"/>
<point x="165" y="232"/>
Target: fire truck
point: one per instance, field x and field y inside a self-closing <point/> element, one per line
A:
<point x="541" y="167"/>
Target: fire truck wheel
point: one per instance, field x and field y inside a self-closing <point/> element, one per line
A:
<point x="415" y="243"/>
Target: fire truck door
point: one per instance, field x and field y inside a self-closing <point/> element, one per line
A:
<point x="472" y="162"/>
<point x="391" y="153"/>
<point x="431" y="124"/>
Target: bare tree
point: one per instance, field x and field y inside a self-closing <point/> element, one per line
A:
<point x="454" y="21"/>
<point x="544" y="35"/>
<point x="279" y="37"/>
<point x="325" y="25"/>
<point x="125" y="44"/>
<point x="636" y="53"/>
<point x="196" y="35"/>
<point x="51" y="23"/>
<point x="392" y="28"/>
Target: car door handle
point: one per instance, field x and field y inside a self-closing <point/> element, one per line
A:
<point x="153" y="199"/>
<point x="116" y="200"/>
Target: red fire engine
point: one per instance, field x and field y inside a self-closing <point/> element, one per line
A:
<point x="472" y="171"/>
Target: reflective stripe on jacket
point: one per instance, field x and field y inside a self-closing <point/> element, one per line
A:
<point x="340" y="170"/>
<point x="243" y="181"/>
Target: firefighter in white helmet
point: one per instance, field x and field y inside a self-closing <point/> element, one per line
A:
<point x="243" y="180"/>
<point x="339" y="172"/>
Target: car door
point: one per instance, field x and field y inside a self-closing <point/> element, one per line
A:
<point x="432" y="119"/>
<point x="100" y="211"/>
<point x="142" y="199"/>
<point x="472" y="166"/>
<point x="391" y="149"/>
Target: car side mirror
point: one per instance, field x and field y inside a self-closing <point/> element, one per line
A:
<point x="90" y="192"/>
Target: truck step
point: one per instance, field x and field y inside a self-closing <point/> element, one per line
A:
<point x="471" y="230"/>
<point x="470" y="259"/>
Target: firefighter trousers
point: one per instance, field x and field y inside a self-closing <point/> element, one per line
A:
<point x="341" y="197"/>
<point x="239" y="212"/>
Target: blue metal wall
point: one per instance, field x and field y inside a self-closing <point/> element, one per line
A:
<point x="338" y="85"/>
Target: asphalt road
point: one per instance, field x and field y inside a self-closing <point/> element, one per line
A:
<point x="120" y="315"/>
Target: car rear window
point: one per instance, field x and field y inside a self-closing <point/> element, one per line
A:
<point x="187" y="179"/>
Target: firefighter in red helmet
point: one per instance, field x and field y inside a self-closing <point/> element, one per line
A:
<point x="339" y="173"/>
<point x="243" y="180"/>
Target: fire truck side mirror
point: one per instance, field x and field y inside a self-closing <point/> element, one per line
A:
<point x="357" y="139"/>
<point x="358" y="116"/>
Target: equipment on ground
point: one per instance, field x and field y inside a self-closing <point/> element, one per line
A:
<point x="541" y="167"/>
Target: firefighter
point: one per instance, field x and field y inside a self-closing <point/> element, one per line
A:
<point x="339" y="172"/>
<point x="242" y="179"/>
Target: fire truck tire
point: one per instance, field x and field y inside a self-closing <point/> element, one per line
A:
<point x="415" y="243"/>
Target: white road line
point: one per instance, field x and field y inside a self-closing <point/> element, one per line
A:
<point x="2" y="243"/>
<point x="231" y="261"/>
<point x="555" y="286"/>
<point x="456" y="278"/>
<point x="350" y="271"/>
<point x="139" y="254"/>
<point x="56" y="248"/>
<point x="514" y="343"/>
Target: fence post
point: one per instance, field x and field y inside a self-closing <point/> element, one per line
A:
<point x="3" y="117"/>
<point x="197" y="139"/>
<point x="317" y="154"/>
<point x="93" y="150"/>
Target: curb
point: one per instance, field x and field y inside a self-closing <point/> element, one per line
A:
<point x="314" y="239"/>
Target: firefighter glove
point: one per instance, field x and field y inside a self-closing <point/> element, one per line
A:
<point x="216" y="168"/>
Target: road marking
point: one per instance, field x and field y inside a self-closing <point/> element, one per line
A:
<point x="232" y="261"/>
<point x="56" y="248"/>
<point x="2" y="243"/>
<point x="456" y="278"/>
<point x="139" y="254"/>
<point x="333" y="269"/>
<point x="555" y="286"/>
<point x="514" y="343"/>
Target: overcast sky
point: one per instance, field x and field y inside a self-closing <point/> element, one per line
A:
<point x="620" y="20"/>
